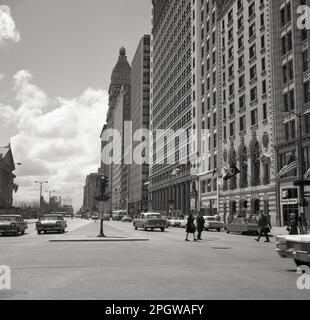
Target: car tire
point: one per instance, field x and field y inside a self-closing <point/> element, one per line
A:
<point x="145" y="228"/>
<point x="162" y="229"/>
<point x="218" y="230"/>
<point x="228" y="232"/>
<point x="23" y="232"/>
<point x="39" y="232"/>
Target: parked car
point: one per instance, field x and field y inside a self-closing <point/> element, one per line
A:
<point x="211" y="223"/>
<point x="95" y="217"/>
<point x="295" y="247"/>
<point x="12" y="224"/>
<point x="127" y="219"/>
<point x="150" y="220"/>
<point x="51" y="222"/>
<point x="106" y="217"/>
<point x="183" y="222"/>
<point x="243" y="226"/>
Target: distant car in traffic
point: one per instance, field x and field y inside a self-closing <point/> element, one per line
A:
<point x="295" y="247"/>
<point x="211" y="223"/>
<point x="95" y="217"/>
<point x="150" y="221"/>
<point x="127" y="219"/>
<point x="106" y="217"/>
<point x="242" y="226"/>
<point x="51" y="223"/>
<point x="12" y="224"/>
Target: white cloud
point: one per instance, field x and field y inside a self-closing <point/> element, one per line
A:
<point x="58" y="139"/>
<point x="8" y="28"/>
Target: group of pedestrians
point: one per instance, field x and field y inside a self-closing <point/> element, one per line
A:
<point x="191" y="227"/>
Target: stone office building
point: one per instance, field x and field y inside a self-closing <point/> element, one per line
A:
<point x="292" y="95"/>
<point x="121" y="77"/>
<point x="246" y="101"/>
<point x="7" y="176"/>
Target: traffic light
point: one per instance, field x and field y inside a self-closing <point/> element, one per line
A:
<point x="104" y="184"/>
<point x="300" y="183"/>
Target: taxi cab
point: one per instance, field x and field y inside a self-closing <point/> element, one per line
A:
<point x="296" y="247"/>
<point x="150" y="221"/>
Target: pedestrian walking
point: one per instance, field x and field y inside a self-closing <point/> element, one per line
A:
<point x="190" y="227"/>
<point x="200" y="221"/>
<point x="293" y="225"/>
<point x="301" y="225"/>
<point x="264" y="226"/>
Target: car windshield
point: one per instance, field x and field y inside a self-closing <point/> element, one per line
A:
<point x="7" y="218"/>
<point x="52" y="218"/>
<point x="154" y="216"/>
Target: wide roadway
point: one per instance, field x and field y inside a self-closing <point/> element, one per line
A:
<point x="222" y="266"/>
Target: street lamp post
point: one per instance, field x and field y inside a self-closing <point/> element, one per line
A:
<point x="41" y="187"/>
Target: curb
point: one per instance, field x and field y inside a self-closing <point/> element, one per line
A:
<point x="99" y="240"/>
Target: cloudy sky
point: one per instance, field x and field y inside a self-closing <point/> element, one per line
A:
<point x="56" y="58"/>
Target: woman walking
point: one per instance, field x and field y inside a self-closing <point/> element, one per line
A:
<point x="190" y="227"/>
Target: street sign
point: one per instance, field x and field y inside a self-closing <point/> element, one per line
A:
<point x="289" y="201"/>
<point x="101" y="206"/>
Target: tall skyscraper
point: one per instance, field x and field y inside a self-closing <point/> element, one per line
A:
<point x="120" y="78"/>
<point x="140" y="116"/>
<point x="171" y="104"/>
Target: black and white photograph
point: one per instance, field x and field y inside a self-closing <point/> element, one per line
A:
<point x="155" y="150"/>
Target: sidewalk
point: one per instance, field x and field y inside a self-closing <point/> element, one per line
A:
<point x="89" y="233"/>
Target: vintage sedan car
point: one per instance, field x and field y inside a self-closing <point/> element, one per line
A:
<point x="12" y="224"/>
<point x="294" y="247"/>
<point x="127" y="219"/>
<point x="211" y="223"/>
<point x="51" y="223"/>
<point x="150" y="221"/>
<point x="242" y="226"/>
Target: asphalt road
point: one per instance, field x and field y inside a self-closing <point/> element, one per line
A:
<point x="222" y="266"/>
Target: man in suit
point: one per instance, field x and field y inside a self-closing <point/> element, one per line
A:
<point x="264" y="226"/>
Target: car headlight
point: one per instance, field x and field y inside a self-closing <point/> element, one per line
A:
<point x="13" y="225"/>
<point x="282" y="244"/>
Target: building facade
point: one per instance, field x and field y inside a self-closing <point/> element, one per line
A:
<point x="140" y="116"/>
<point x="7" y="176"/>
<point x="246" y="105"/>
<point x="171" y="105"/>
<point x="121" y="77"/>
<point x="120" y="169"/>
<point x="292" y="96"/>
<point x="91" y="191"/>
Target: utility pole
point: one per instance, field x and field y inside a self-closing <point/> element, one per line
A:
<point x="41" y="187"/>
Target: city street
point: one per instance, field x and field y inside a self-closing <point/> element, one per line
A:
<point x="222" y="266"/>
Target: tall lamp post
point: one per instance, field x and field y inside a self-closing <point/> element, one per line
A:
<point x="41" y="187"/>
<point x="301" y="181"/>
